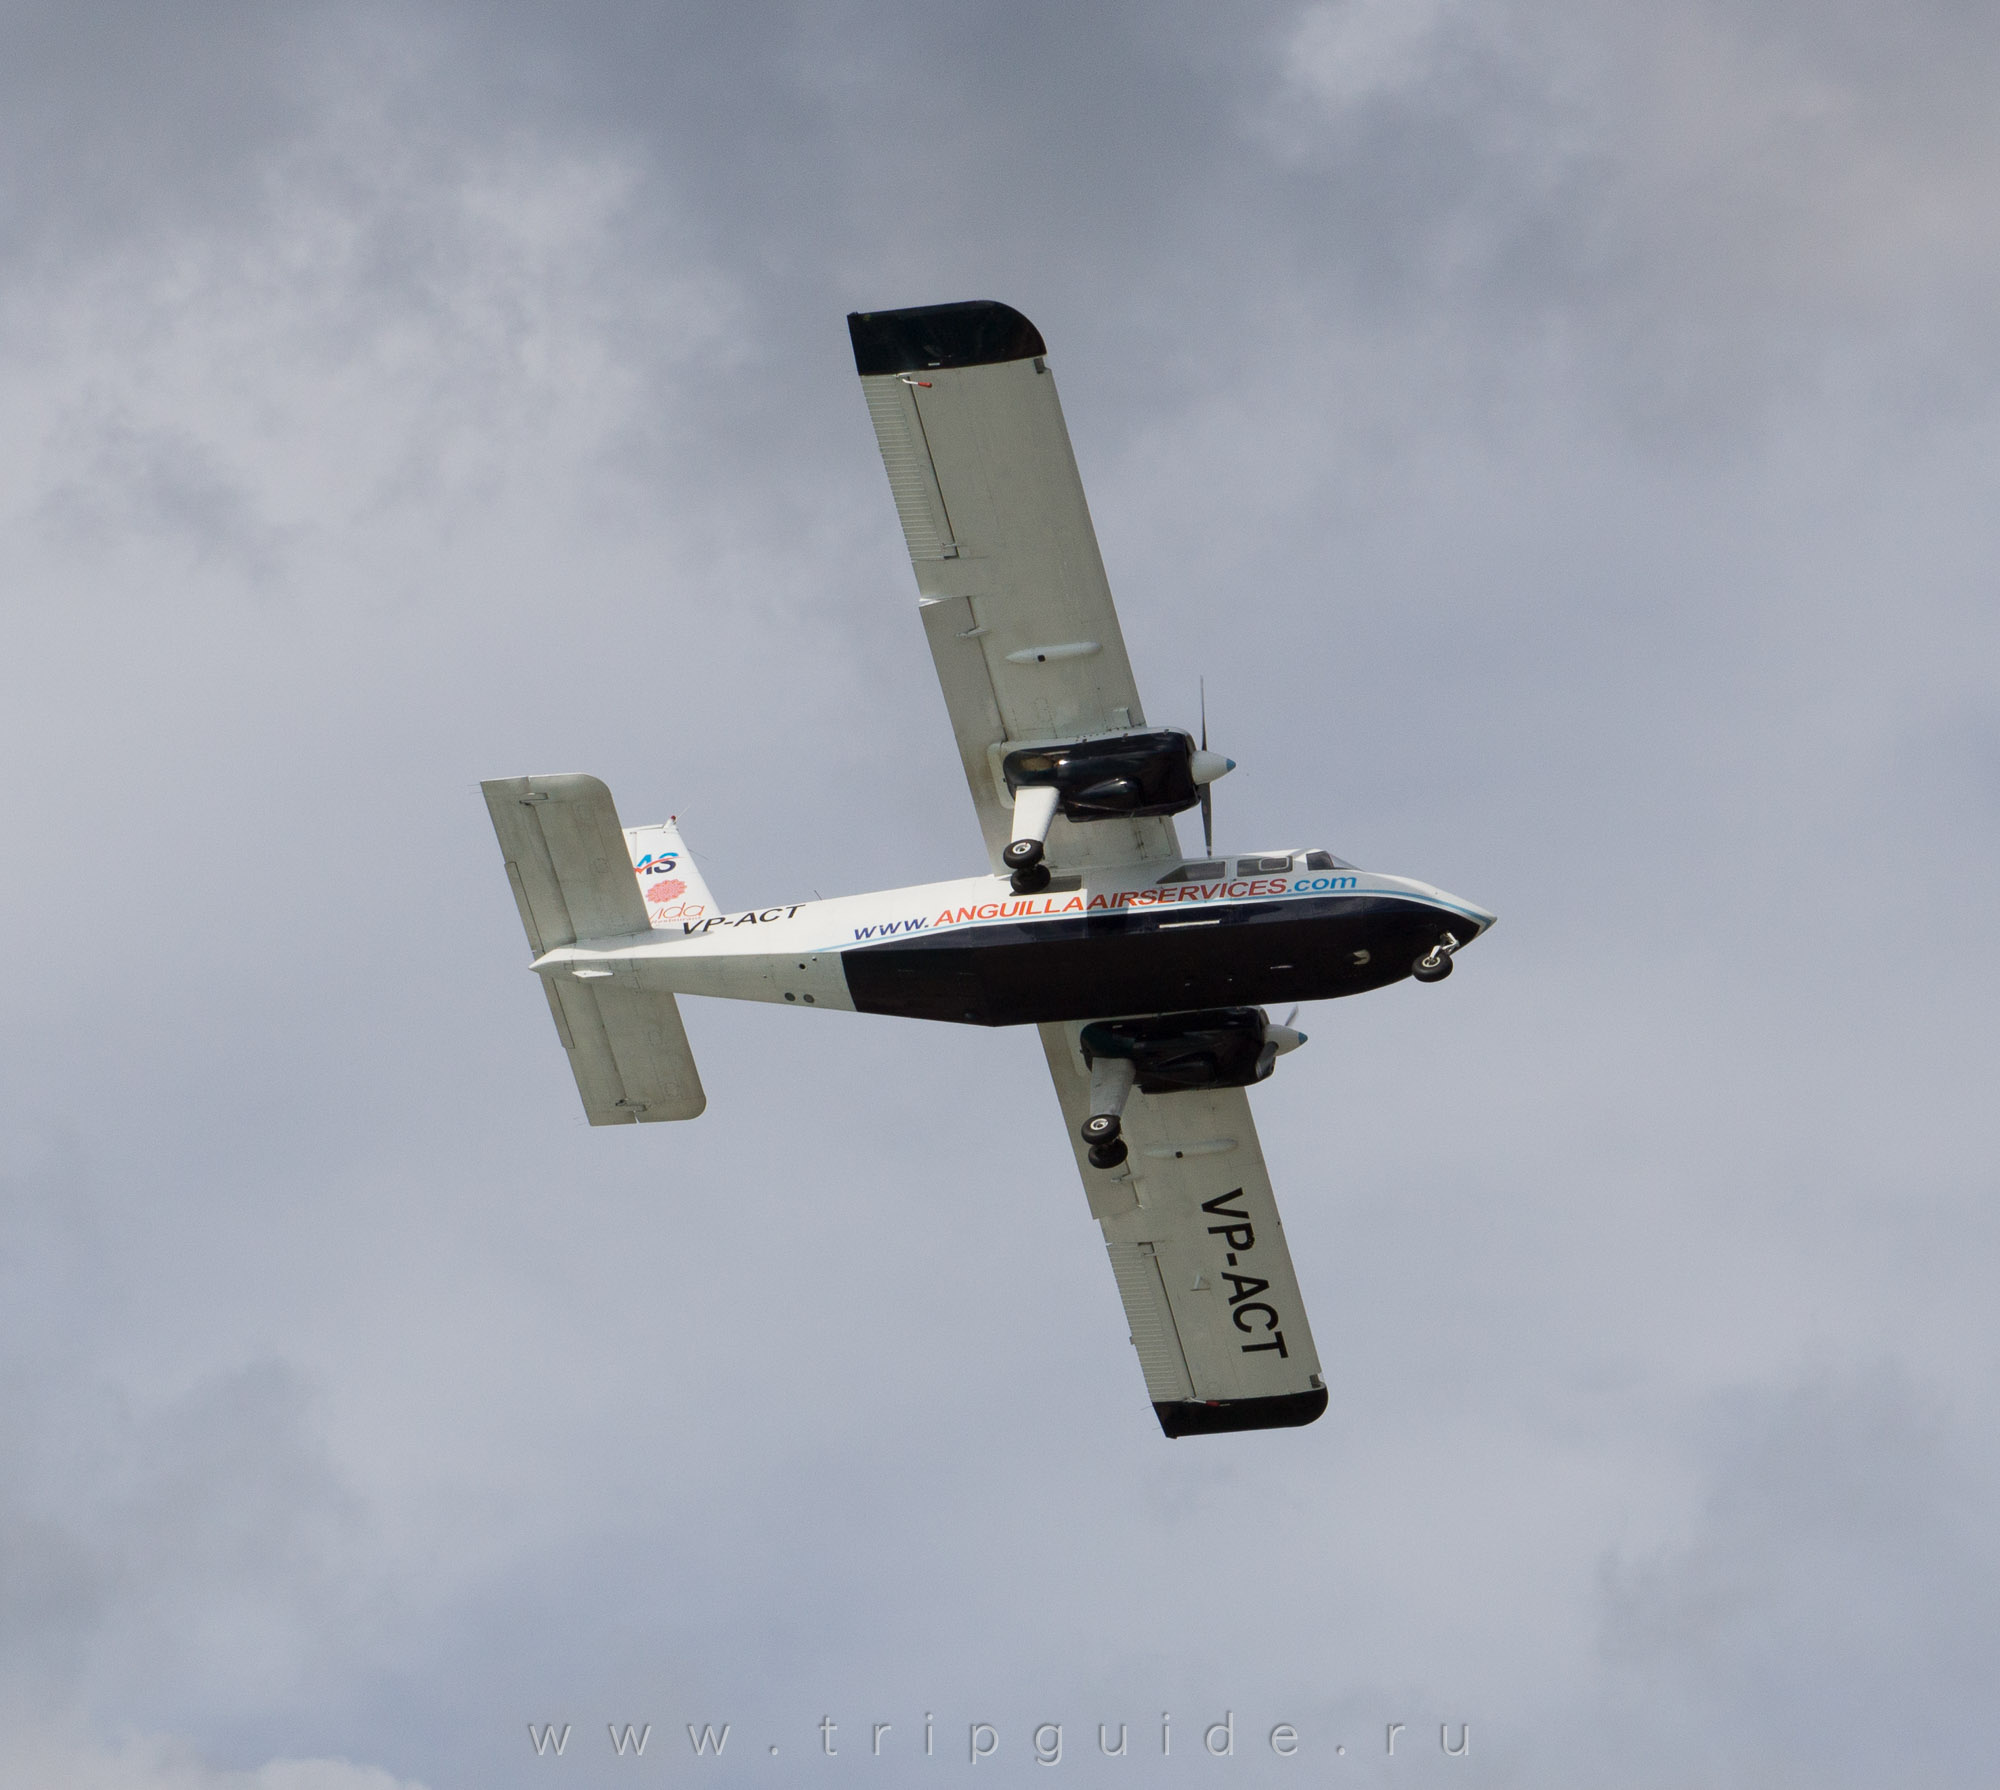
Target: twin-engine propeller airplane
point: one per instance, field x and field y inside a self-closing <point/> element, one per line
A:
<point x="1143" y="970"/>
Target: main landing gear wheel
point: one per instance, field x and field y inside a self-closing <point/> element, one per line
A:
<point x="1102" y="1133"/>
<point x="1435" y="964"/>
<point x="1024" y="858"/>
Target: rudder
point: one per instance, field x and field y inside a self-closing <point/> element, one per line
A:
<point x="674" y="891"/>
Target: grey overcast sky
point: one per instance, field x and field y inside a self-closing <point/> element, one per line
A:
<point x="1564" y="438"/>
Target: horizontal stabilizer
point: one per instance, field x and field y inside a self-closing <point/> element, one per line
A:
<point x="566" y="857"/>
<point x="571" y="869"/>
<point x="628" y="1051"/>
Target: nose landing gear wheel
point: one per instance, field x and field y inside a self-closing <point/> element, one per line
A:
<point x="1435" y="964"/>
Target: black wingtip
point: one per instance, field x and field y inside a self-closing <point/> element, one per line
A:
<point x="1191" y="1417"/>
<point x="975" y="333"/>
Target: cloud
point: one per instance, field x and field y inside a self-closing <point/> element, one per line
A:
<point x="1561" y="437"/>
<point x="1351" y="50"/>
<point x="1844" y="1507"/>
<point x="1703" y="213"/>
<point x="40" y="1754"/>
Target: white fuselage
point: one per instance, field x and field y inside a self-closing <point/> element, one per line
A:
<point x="801" y="953"/>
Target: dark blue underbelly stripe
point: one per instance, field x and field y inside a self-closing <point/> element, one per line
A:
<point x="1088" y="966"/>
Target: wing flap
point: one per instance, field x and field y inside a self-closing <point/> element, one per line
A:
<point x="976" y="721"/>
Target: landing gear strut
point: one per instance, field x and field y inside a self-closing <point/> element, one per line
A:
<point x="1034" y="814"/>
<point x="1435" y="964"/>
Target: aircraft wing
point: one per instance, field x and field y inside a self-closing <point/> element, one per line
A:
<point x="1009" y="579"/>
<point x="1199" y="1255"/>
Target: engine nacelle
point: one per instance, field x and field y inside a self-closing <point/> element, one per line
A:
<point x="1221" y="1047"/>
<point x="1119" y="777"/>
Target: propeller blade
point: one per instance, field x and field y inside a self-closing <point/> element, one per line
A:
<point x="1289" y="1017"/>
<point x="1207" y="800"/>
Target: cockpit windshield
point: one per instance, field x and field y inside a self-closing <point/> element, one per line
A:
<point x="1215" y="869"/>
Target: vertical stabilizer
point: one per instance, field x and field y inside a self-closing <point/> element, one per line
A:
<point x="673" y="888"/>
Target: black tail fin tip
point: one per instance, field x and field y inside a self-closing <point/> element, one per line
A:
<point x="1191" y="1417"/>
<point x="975" y="333"/>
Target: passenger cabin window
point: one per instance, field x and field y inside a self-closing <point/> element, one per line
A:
<point x="1325" y="860"/>
<point x="1196" y="873"/>
<point x="1261" y="866"/>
